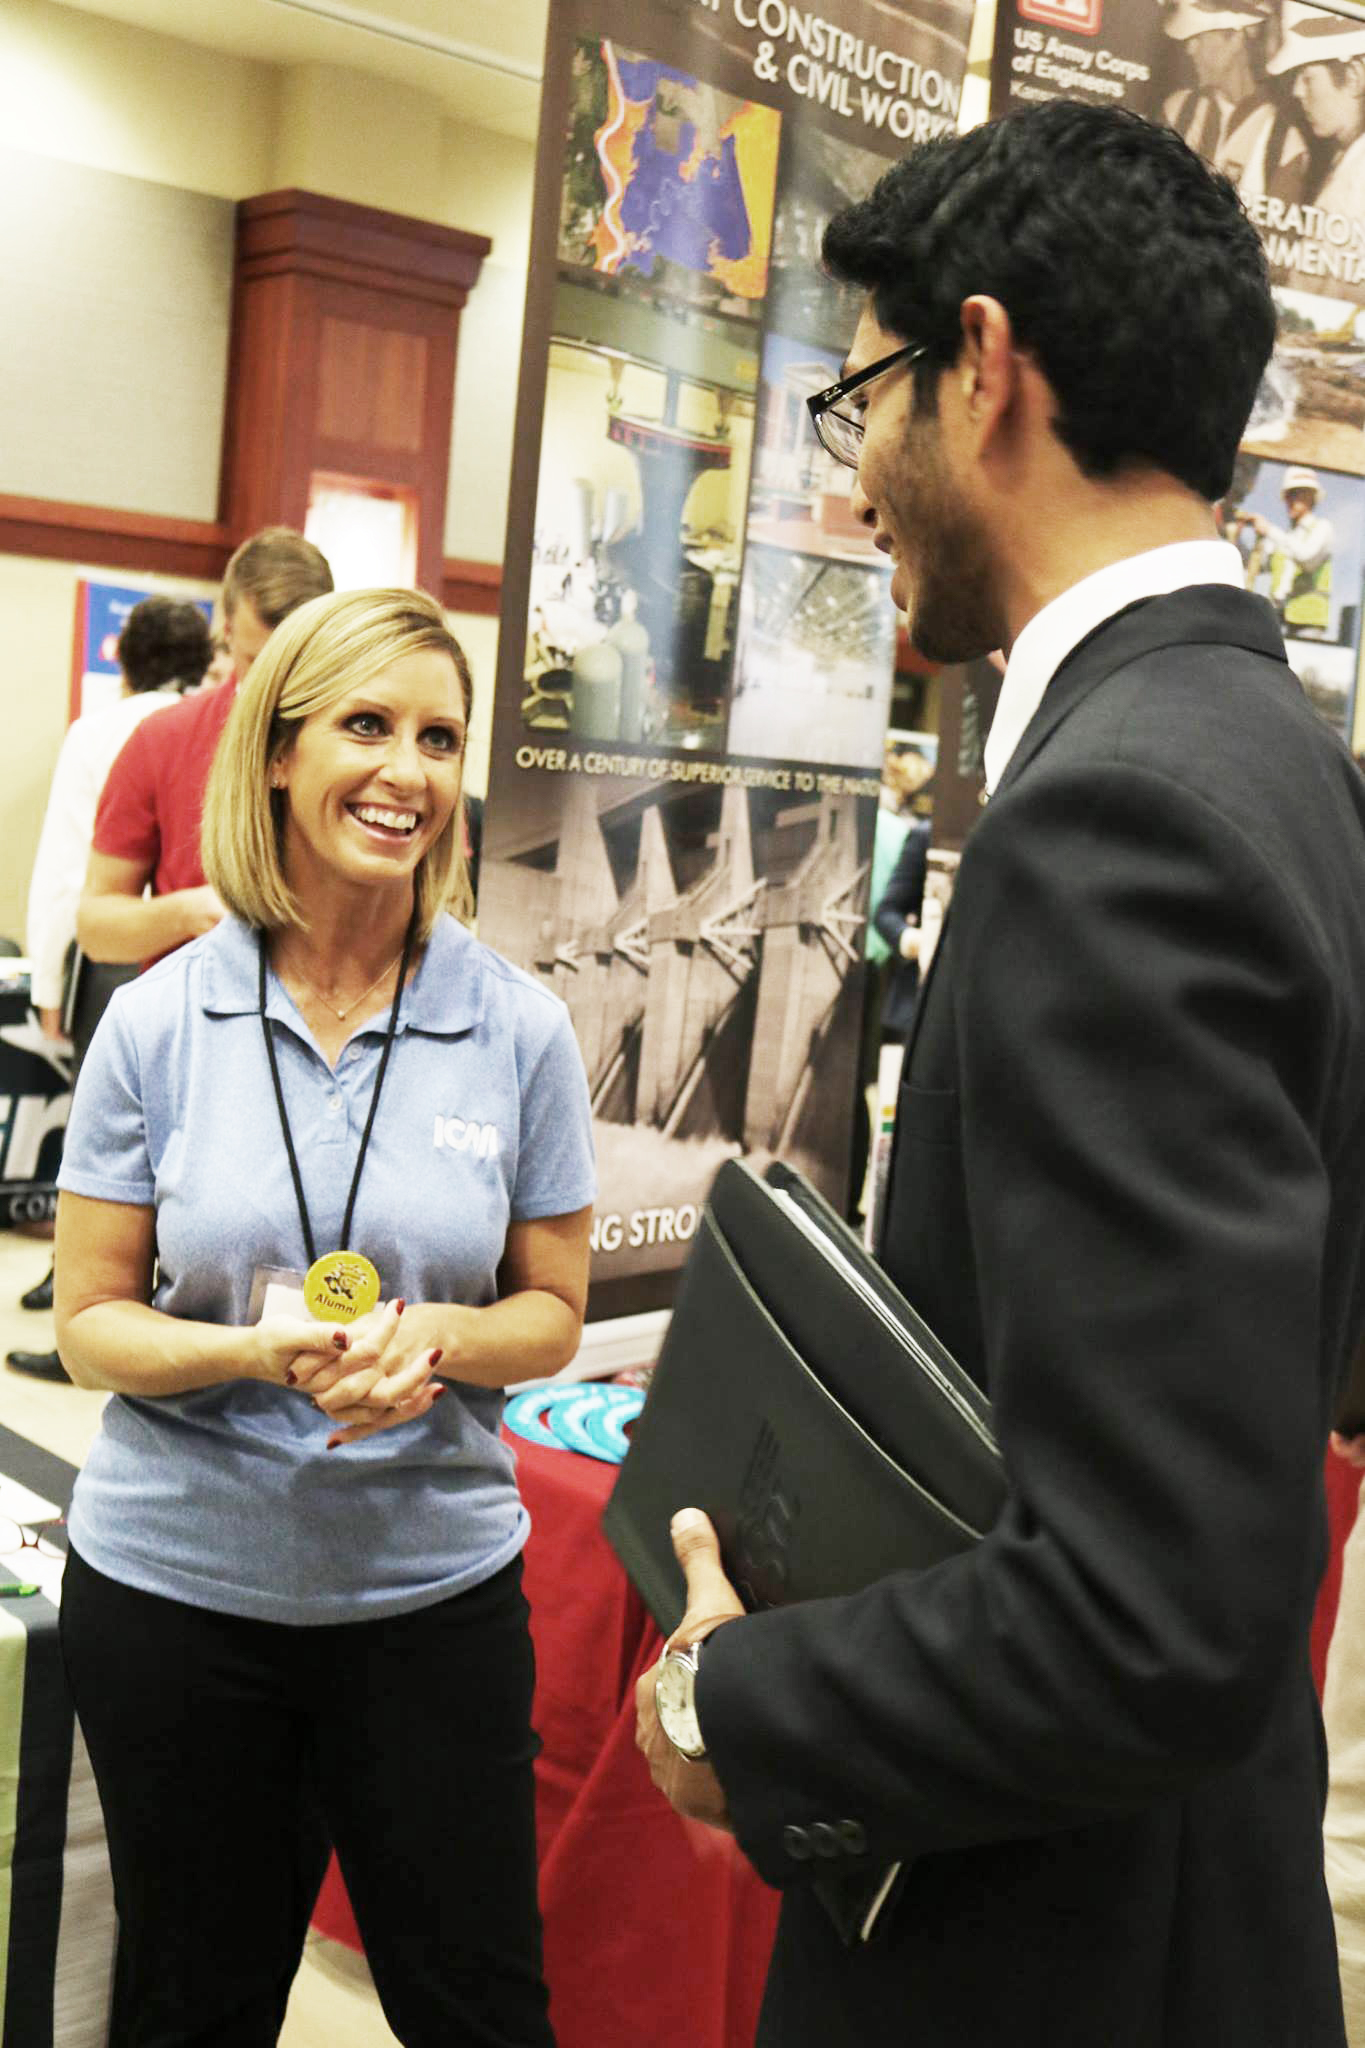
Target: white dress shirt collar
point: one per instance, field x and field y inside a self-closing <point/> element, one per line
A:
<point x="1060" y="626"/>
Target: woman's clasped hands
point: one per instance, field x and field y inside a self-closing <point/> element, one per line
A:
<point x="374" y="1375"/>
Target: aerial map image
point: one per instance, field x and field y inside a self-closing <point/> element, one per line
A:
<point x="669" y="183"/>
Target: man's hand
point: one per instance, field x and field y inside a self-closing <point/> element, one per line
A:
<point x="693" y="1790"/>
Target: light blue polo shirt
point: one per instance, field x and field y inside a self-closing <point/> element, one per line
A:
<point x="228" y="1498"/>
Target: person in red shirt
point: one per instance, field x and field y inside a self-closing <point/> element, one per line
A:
<point x="147" y="826"/>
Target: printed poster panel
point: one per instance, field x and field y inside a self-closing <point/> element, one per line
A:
<point x="698" y="644"/>
<point x="1301" y="535"/>
<point x="1271" y="92"/>
<point x="1103" y="51"/>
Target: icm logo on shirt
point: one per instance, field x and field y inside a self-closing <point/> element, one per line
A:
<point x="461" y="1134"/>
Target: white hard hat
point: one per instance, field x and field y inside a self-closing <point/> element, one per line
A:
<point x="1300" y="479"/>
<point x="1185" y="18"/>
<point x="1308" y="36"/>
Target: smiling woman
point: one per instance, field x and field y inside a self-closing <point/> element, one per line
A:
<point x="375" y="690"/>
<point x="249" y="1169"/>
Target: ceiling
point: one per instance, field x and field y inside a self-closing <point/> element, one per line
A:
<point x="480" y="58"/>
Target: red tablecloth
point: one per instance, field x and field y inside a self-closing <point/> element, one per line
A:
<point x="1343" y="1494"/>
<point x="652" y="1923"/>
<point x="647" y="1917"/>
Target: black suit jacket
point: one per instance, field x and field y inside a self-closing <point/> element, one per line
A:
<point x="902" y="900"/>
<point x="1127" y="1191"/>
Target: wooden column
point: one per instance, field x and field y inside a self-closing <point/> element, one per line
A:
<point x="345" y="323"/>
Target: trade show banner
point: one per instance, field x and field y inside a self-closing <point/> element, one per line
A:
<point x="1272" y="92"/>
<point x="697" y="642"/>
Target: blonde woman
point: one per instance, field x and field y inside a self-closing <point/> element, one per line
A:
<point x="292" y="1613"/>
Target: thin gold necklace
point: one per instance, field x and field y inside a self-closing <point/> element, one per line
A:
<point x="330" y="1002"/>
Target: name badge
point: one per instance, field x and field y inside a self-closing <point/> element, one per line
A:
<point x="277" y="1291"/>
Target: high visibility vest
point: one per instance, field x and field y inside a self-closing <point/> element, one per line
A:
<point x="1308" y="601"/>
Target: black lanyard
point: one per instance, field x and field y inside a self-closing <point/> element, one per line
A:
<point x="374" y="1099"/>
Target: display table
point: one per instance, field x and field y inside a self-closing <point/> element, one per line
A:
<point x="57" y="1926"/>
<point x="656" y="1929"/>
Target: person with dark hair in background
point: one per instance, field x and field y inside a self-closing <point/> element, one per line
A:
<point x="147" y="828"/>
<point x="896" y="916"/>
<point x="1067" y="1787"/>
<point x="164" y="647"/>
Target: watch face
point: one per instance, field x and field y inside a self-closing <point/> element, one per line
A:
<point x="674" y="1699"/>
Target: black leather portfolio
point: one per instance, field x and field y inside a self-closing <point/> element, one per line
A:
<point x="805" y="1406"/>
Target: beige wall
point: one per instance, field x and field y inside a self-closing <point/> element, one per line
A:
<point x="487" y="183"/>
<point x="98" y="93"/>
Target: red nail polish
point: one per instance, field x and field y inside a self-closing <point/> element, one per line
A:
<point x="291" y="1378"/>
<point x="436" y="1394"/>
<point x="435" y="1358"/>
<point x="398" y="1307"/>
<point x="339" y="1339"/>
<point x="333" y="1442"/>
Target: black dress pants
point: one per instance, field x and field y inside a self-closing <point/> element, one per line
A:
<point x="228" y="1753"/>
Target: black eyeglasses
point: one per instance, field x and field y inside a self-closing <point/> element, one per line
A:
<point x="840" y="434"/>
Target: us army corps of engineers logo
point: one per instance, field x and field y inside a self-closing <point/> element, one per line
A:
<point x="1081" y="16"/>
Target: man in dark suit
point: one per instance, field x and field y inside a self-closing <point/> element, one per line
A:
<point x="1066" y="1790"/>
<point x="896" y="916"/>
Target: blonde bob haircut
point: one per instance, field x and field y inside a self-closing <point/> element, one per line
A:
<point x="326" y="648"/>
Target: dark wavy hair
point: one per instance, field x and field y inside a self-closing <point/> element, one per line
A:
<point x="164" y="641"/>
<point x="1129" y="270"/>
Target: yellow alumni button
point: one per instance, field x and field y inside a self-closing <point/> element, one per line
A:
<point x="340" y="1287"/>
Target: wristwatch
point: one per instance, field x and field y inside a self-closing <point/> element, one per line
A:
<point x="675" y="1701"/>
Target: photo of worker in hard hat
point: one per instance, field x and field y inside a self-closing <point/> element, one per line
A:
<point x="1272" y="92"/>
<point x="1220" y="50"/>
<point x="1301" y="534"/>
<point x="1321" y="58"/>
<point x="1296" y="557"/>
<point x="1302" y="539"/>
